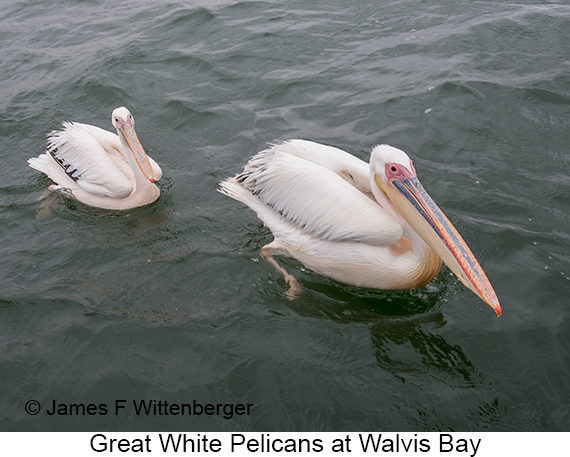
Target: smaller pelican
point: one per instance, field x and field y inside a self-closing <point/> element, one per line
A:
<point x="370" y="225"/>
<point x="98" y="167"/>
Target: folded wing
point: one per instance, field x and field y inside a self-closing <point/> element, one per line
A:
<point x="324" y="198"/>
<point x="92" y="158"/>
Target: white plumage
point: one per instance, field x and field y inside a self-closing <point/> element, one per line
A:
<point x="98" y="167"/>
<point x="307" y="195"/>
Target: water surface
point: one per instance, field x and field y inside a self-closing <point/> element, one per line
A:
<point x="172" y="302"/>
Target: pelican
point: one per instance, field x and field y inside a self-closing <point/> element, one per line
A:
<point x="370" y="225"/>
<point x="98" y="167"/>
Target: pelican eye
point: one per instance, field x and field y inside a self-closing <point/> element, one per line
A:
<point x="393" y="168"/>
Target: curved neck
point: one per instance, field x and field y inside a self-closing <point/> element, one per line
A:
<point x="422" y="264"/>
<point x="137" y="173"/>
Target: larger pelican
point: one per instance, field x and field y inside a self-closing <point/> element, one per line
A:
<point x="370" y="225"/>
<point x="98" y="167"/>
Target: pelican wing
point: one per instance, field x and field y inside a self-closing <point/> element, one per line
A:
<point x="313" y="190"/>
<point x="92" y="158"/>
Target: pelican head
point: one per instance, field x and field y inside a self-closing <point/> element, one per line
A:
<point x="124" y="122"/>
<point x="398" y="188"/>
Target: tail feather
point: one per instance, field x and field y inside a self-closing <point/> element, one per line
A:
<point x="231" y="187"/>
<point x="43" y="163"/>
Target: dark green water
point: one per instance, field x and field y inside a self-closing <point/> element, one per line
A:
<point x="171" y="301"/>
